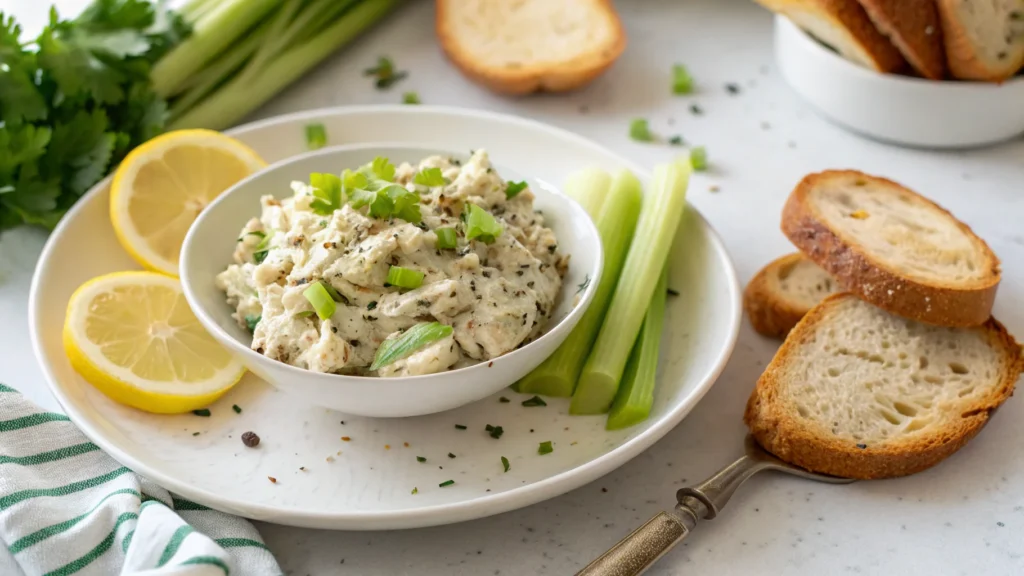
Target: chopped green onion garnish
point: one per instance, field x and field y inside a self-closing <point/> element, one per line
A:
<point x="676" y="140"/>
<point x="304" y="314"/>
<point x="335" y="295"/>
<point x="411" y="340"/>
<point x="411" y="98"/>
<point x="251" y="322"/>
<point x="699" y="158"/>
<point x="446" y="483"/>
<point x="421" y="459"/>
<point x="535" y="401"/>
<point x="494" y="431"/>
<point x="446" y="238"/>
<point x="682" y="82"/>
<point x="513" y="188"/>
<point x="480" y="225"/>
<point x="204" y="412"/>
<point x="545" y="448"/>
<point x="236" y="408"/>
<point x="639" y="131"/>
<point x="430" y="177"/>
<point x="460" y="427"/>
<point x="505" y="464"/>
<point x="405" y="277"/>
<point x="316" y="136"/>
<point x="326" y="193"/>
<point x="321" y="300"/>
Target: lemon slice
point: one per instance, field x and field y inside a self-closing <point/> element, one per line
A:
<point x="161" y="187"/>
<point x="133" y="336"/>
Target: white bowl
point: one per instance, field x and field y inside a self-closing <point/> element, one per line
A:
<point x="208" y="250"/>
<point x="898" y="109"/>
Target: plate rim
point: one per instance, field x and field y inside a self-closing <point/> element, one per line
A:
<point x="433" y="515"/>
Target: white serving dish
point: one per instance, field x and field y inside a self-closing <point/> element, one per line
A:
<point x="211" y="241"/>
<point x="898" y="109"/>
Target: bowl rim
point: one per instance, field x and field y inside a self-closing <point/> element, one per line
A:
<point x="209" y="322"/>
<point x="784" y="25"/>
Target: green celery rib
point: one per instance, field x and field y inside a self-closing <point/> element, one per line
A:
<point x="557" y="375"/>
<point x="589" y="187"/>
<point x="633" y="402"/>
<point x="659" y="219"/>
<point x="216" y="30"/>
<point x="216" y="73"/>
<point x="236" y="99"/>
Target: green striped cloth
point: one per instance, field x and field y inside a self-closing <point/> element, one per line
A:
<point x="68" y="508"/>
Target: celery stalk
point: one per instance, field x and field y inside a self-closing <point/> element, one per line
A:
<point x="216" y="30"/>
<point x="236" y="99"/>
<point x="557" y="375"/>
<point x="636" y="393"/>
<point x="659" y="218"/>
<point x="589" y="187"/>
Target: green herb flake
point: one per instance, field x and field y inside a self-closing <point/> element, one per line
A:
<point x="514" y="188"/>
<point x="446" y="483"/>
<point x="699" y="158"/>
<point x="327" y="193"/>
<point x="450" y="455"/>
<point x="251" y="321"/>
<point x="460" y="427"/>
<point x="413" y="339"/>
<point x="204" y="412"/>
<point x="421" y="459"/>
<point x="535" y="401"/>
<point x="682" y="82"/>
<point x="411" y="98"/>
<point x="371" y="305"/>
<point x="415" y="491"/>
<point x="236" y="408"/>
<point x="385" y="73"/>
<point x="676" y="140"/>
<point x="640" y="131"/>
<point x="504" y="400"/>
<point x="505" y="464"/>
<point x="494" y="431"/>
<point x="545" y="448"/>
<point x="316" y="136"/>
<point x="430" y="177"/>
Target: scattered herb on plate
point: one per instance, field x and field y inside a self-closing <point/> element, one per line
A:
<point x="236" y="408"/>
<point x="411" y="98"/>
<point x="676" y="140"/>
<point x="699" y="158"/>
<point x="204" y="412"/>
<point x="505" y="464"/>
<point x="545" y="448"/>
<point x="446" y="483"/>
<point x="494" y="431"/>
<point x="316" y="136"/>
<point x="640" y="131"/>
<point x="385" y="73"/>
<point x="514" y="188"/>
<point x="421" y="459"/>
<point x="415" y="490"/>
<point x="682" y="82"/>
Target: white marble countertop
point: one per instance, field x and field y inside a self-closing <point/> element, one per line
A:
<point x="958" y="518"/>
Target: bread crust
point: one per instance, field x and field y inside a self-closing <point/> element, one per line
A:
<point x="913" y="27"/>
<point x="962" y="55"/>
<point x="770" y="315"/>
<point x="775" y="427"/>
<point x="519" y="80"/>
<point x="856" y="271"/>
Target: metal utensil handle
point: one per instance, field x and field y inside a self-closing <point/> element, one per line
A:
<point x="637" y="552"/>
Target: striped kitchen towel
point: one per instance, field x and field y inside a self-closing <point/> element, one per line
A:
<point x="68" y="508"/>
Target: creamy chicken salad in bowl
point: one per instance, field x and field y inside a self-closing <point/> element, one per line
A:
<point x="391" y="281"/>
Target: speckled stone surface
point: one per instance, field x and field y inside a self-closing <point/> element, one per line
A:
<point x="963" y="517"/>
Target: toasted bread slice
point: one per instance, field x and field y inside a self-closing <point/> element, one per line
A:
<point x="844" y="26"/>
<point x="859" y="393"/>
<point x="783" y="292"/>
<point x="893" y="247"/>
<point x="913" y="26"/>
<point x="523" y="46"/>
<point x="984" y="40"/>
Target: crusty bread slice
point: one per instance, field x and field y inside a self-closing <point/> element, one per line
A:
<point x="783" y="292"/>
<point x="859" y="393"/>
<point x="913" y="26"/>
<point x="844" y="26"/>
<point x="984" y="38"/>
<point x="522" y="46"/>
<point x="893" y="247"/>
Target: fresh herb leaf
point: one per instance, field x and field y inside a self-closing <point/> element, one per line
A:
<point x="682" y="82"/>
<point x="545" y="448"/>
<point x="535" y="401"/>
<point x="640" y="131"/>
<point x="505" y="464"/>
<point x="411" y="98"/>
<point x="236" y="408"/>
<point x="251" y="321"/>
<point x="421" y="459"/>
<point x="327" y="193"/>
<point x="494" y="431"/>
<point x="385" y="73"/>
<point x="411" y="340"/>
<point x="430" y="177"/>
<point x="371" y="305"/>
<point x="480" y="225"/>
<point x="383" y="169"/>
<point x="316" y="136"/>
<point x="513" y="188"/>
<point x="415" y="491"/>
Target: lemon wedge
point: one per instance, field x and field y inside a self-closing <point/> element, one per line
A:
<point x="161" y="186"/>
<point x="133" y="336"/>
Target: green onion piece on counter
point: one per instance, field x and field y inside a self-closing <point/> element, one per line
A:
<point x="514" y="188"/>
<point x="590" y="188"/>
<point x="411" y="98"/>
<point x="640" y="131"/>
<point x="699" y="158"/>
<point x="251" y="321"/>
<point x="633" y="402"/>
<point x="410" y="341"/>
<point x="320" y="298"/>
<point x="659" y="220"/>
<point x="446" y="238"/>
<point x="480" y="225"/>
<point x="557" y="375"/>
<point x="327" y="193"/>
<point x="545" y="448"/>
<point x="405" y="277"/>
<point x="430" y="177"/>
<point x="505" y="464"/>
<point x="682" y="82"/>
<point x="316" y="136"/>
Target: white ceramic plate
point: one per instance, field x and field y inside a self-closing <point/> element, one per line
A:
<point x="369" y="480"/>
<point x="894" y="108"/>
